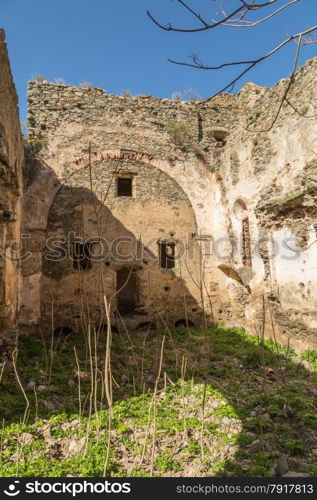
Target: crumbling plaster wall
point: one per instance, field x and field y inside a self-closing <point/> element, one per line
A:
<point x="11" y="163"/>
<point x="67" y="122"/>
<point x="272" y="169"/>
<point x="132" y="226"/>
<point x="66" y="119"/>
<point x="236" y="165"/>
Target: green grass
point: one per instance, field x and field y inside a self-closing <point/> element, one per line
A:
<point x="254" y="393"/>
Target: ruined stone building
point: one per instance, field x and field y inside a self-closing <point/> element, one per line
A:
<point x="176" y="212"/>
<point x="11" y="164"/>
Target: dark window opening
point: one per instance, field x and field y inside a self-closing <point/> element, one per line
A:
<point x="124" y="186"/>
<point x="167" y="255"/>
<point x="6" y="216"/>
<point x="81" y="257"/>
<point x="246" y="244"/>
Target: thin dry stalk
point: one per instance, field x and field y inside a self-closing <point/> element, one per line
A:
<point x="2" y="370"/>
<point x="183" y="374"/>
<point x="142" y="383"/>
<point x="108" y="377"/>
<point x="202" y="430"/>
<point x="201" y="288"/>
<point x="146" y="435"/>
<point x="108" y="381"/>
<point x="155" y="406"/>
<point x="130" y="342"/>
<point x="184" y="300"/>
<point x="105" y="469"/>
<point x="127" y="364"/>
<point x="91" y="367"/>
<point x="1" y="443"/>
<point x="262" y="333"/>
<point x="78" y="380"/>
<point x="36" y="405"/>
<point x="51" y="351"/>
<point x="46" y="357"/>
<point x="95" y="371"/>
<point x="14" y="362"/>
<point x="170" y="337"/>
<point x="281" y="371"/>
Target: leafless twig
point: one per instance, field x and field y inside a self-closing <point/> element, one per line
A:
<point x="246" y="14"/>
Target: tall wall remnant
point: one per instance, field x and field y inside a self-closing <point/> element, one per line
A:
<point x="214" y="177"/>
<point x="11" y="163"/>
<point x="114" y="168"/>
<point x="173" y="212"/>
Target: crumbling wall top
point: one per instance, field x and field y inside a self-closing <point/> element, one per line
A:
<point x="51" y="104"/>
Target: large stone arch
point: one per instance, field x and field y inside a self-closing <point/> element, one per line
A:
<point x="197" y="189"/>
<point x="72" y="189"/>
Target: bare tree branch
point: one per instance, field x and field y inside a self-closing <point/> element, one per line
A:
<point x="244" y="9"/>
<point x="247" y="14"/>
<point x="234" y="23"/>
<point x="194" y="30"/>
<point x="287" y="90"/>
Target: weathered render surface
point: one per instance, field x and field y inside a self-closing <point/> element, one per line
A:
<point x="232" y="183"/>
<point x="126" y="137"/>
<point x="11" y="162"/>
<point x="268" y="176"/>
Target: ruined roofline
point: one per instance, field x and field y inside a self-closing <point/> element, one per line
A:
<point x="226" y="98"/>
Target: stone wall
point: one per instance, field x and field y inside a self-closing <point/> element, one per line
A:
<point x="82" y="139"/>
<point x="11" y="163"/>
<point x="64" y="120"/>
<point x="86" y="207"/>
<point x="246" y="173"/>
<point x="268" y="174"/>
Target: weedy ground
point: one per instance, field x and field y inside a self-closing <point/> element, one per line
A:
<point x="227" y="405"/>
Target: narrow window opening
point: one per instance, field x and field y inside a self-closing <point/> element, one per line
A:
<point x="81" y="256"/>
<point x="246" y="244"/>
<point x="124" y="186"/>
<point x="167" y="255"/>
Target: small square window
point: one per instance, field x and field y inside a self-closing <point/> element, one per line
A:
<point x="124" y="186"/>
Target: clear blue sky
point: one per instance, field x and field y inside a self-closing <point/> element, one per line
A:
<point x="113" y="45"/>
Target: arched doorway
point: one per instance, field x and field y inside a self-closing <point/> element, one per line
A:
<point x="127" y="291"/>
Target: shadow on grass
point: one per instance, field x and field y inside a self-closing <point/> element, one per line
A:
<point x="227" y="405"/>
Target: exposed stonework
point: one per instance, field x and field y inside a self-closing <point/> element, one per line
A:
<point x="215" y="175"/>
<point x="86" y="139"/>
<point x="228" y="184"/>
<point x="276" y="182"/>
<point x="11" y="162"/>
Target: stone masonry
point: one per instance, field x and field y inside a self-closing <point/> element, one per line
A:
<point x="216" y="220"/>
<point x="11" y="163"/>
